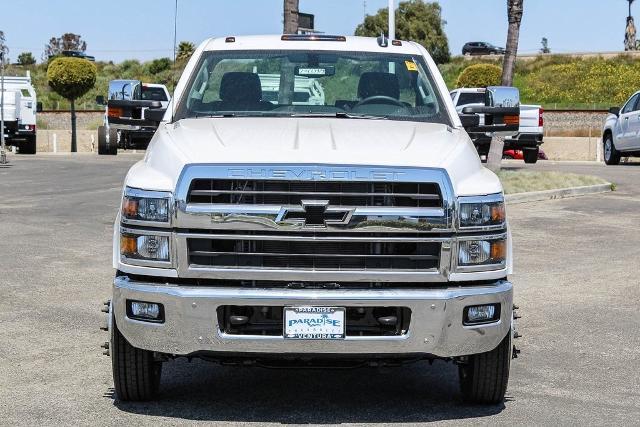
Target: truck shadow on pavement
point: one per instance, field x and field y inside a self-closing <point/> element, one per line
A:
<point x="204" y="391"/>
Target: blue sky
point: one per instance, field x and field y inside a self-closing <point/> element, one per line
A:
<point x="143" y="29"/>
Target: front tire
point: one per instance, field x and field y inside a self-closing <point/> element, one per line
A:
<point x="611" y="155"/>
<point x="484" y="377"/>
<point x="530" y="155"/>
<point x="136" y="375"/>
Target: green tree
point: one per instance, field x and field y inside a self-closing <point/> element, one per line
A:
<point x="416" y="20"/>
<point x="4" y="50"/>
<point x="26" y="58"/>
<point x="159" y="65"/>
<point x="71" y="78"/>
<point x="68" y="41"/>
<point x="480" y="75"/>
<point x="185" y="50"/>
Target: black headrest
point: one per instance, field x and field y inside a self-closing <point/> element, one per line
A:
<point x="240" y="87"/>
<point x="377" y="84"/>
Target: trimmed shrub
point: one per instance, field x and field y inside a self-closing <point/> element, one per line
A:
<point x="480" y="75"/>
<point x="71" y="77"/>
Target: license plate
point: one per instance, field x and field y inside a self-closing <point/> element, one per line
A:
<point x="314" y="323"/>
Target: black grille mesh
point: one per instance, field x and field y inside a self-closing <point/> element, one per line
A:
<point x="313" y="254"/>
<point x="263" y="192"/>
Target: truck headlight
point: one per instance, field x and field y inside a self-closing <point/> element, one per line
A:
<point x="146" y="206"/>
<point x="482" y="212"/>
<point x="482" y="253"/>
<point x="144" y="247"/>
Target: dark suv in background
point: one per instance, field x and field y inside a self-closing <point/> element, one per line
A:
<point x="481" y="48"/>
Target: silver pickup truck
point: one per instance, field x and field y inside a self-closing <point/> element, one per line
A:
<point x="360" y="231"/>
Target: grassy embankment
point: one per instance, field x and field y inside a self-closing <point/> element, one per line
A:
<point x="520" y="181"/>
<point x="558" y="81"/>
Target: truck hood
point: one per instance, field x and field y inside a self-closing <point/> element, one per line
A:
<point x="311" y="141"/>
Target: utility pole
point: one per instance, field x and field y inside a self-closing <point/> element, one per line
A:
<point x="3" y="153"/>
<point x="392" y="20"/>
<point x="291" y="9"/>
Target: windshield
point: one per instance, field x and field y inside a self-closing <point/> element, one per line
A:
<point x="471" y="98"/>
<point x="312" y="83"/>
<point x="153" y="94"/>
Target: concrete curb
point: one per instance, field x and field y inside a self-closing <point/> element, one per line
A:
<point x="561" y="193"/>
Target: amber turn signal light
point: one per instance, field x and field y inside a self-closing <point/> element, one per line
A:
<point x="128" y="245"/>
<point x="512" y="120"/>
<point x="114" y="112"/>
<point x="130" y="207"/>
<point x="499" y="250"/>
<point x="497" y="213"/>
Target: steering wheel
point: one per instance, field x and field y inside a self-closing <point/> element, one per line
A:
<point x="379" y="99"/>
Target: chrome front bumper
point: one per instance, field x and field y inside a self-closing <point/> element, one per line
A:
<point x="191" y="323"/>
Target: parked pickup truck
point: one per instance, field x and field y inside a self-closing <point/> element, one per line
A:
<point x="529" y="136"/>
<point x="363" y="231"/>
<point x="19" y="113"/>
<point x="621" y="132"/>
<point x="125" y="122"/>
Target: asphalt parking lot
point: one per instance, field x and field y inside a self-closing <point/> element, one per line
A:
<point x="577" y="285"/>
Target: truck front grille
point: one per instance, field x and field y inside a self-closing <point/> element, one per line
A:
<point x="313" y="254"/>
<point x="266" y="192"/>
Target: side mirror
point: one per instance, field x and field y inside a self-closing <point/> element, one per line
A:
<point x="155" y="104"/>
<point x="154" y="114"/>
<point x="501" y="112"/>
<point x="100" y="100"/>
<point x="615" y="111"/>
<point x="38" y="107"/>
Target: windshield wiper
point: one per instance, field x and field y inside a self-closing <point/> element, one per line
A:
<point x="224" y="114"/>
<point x="345" y="115"/>
<point x="340" y="115"/>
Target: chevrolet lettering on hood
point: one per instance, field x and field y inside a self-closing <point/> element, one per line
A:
<point x="311" y="174"/>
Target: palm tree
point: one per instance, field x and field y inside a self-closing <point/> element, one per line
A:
<point x="291" y="16"/>
<point x="515" y="10"/>
<point x="185" y="50"/>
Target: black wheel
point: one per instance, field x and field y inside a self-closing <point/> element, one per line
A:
<point x="28" y="146"/>
<point x="611" y="155"/>
<point x="484" y="376"/>
<point x="102" y="141"/>
<point x="136" y="375"/>
<point x="530" y="155"/>
<point x="113" y="141"/>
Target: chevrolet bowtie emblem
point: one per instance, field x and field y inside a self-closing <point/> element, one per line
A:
<point x="314" y="213"/>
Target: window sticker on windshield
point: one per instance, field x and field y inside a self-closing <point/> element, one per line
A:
<point x="411" y="66"/>
<point x="315" y="71"/>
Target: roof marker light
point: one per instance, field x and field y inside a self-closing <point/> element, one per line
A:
<point x="230" y="40"/>
<point x="396" y="43"/>
<point x="313" y="37"/>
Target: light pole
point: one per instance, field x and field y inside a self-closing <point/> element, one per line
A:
<point x="3" y="153"/>
<point x="392" y="20"/>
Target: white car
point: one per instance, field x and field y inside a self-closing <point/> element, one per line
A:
<point x="621" y="132"/>
<point x="362" y="231"/>
<point x="530" y="133"/>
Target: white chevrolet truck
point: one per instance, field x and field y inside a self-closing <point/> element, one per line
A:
<point x="363" y="231"/>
